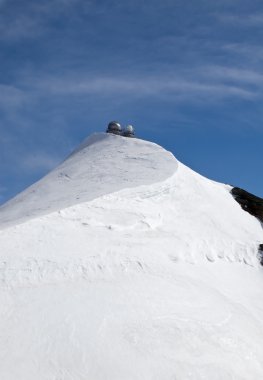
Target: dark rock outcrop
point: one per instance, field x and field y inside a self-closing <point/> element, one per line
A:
<point x="249" y="202"/>
<point x="260" y="252"/>
<point x="253" y="205"/>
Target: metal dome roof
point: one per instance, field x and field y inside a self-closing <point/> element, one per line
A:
<point x="129" y="129"/>
<point x="114" y="125"/>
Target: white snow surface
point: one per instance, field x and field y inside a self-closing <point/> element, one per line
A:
<point x="102" y="164"/>
<point x="124" y="264"/>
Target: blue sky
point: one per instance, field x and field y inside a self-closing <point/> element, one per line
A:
<point x="187" y="74"/>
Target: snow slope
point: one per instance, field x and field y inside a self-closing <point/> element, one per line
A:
<point x="123" y="263"/>
<point x="102" y="164"/>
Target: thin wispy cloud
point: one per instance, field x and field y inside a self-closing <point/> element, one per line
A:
<point x="213" y="81"/>
<point x="250" y="20"/>
<point x="32" y="19"/>
<point x="234" y="74"/>
<point x="249" y="55"/>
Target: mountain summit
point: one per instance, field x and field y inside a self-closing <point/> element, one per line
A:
<point x="102" y="164"/>
<point x="123" y="263"/>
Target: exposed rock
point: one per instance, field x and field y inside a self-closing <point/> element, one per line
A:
<point x="249" y="202"/>
<point x="260" y="251"/>
<point x="253" y="205"/>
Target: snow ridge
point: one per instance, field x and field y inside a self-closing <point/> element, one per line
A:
<point x="185" y="218"/>
<point x="102" y="164"/>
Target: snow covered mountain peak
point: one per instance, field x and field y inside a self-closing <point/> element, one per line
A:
<point x="123" y="263"/>
<point x="140" y="187"/>
<point x="102" y="164"/>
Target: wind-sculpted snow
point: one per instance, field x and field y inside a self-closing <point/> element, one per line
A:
<point x="185" y="218"/>
<point x="103" y="164"/>
<point x="156" y="278"/>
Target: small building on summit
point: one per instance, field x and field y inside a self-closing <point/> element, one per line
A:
<point x="115" y="128"/>
<point x="128" y="131"/>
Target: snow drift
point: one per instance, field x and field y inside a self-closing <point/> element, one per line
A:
<point x="122" y="263"/>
